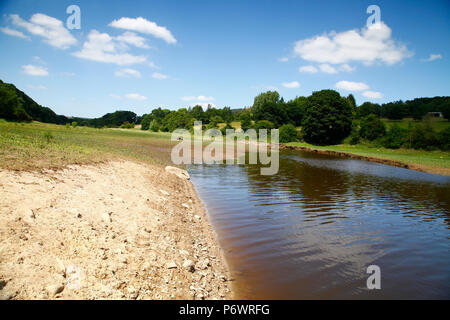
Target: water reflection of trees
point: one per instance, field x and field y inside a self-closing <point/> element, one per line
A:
<point x="325" y="185"/>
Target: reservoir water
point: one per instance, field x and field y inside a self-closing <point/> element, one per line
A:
<point x="311" y="231"/>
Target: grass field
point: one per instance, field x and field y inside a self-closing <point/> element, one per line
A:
<point x="37" y="145"/>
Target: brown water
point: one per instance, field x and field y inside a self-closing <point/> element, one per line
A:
<point x="312" y="230"/>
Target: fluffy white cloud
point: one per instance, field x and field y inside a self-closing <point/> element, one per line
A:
<point x="51" y="29"/>
<point x="199" y="98"/>
<point x="34" y="70"/>
<point x="127" y="73"/>
<point x="351" y="86"/>
<point x="133" y="39"/>
<point x="308" y="69"/>
<point x="144" y="26"/>
<point x="101" y="47"/>
<point x="326" y="68"/>
<point x="291" y="85"/>
<point x="367" y="46"/>
<point x="159" y="76"/>
<point x="14" y="33"/>
<point x="432" y="57"/>
<point x="346" y="68"/>
<point x="372" y="94"/>
<point x="135" y="96"/>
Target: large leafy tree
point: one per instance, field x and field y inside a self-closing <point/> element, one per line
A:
<point x="267" y="106"/>
<point x="328" y="118"/>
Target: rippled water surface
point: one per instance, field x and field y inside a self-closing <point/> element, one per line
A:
<point x="312" y="230"/>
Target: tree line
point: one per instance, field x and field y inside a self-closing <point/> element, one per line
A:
<point x="325" y="118"/>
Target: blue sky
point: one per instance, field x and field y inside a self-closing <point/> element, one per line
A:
<point x="139" y="55"/>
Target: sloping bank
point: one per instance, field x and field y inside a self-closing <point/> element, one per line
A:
<point x="118" y="230"/>
<point x="378" y="159"/>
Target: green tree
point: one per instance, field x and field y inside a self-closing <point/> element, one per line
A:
<point x="368" y="108"/>
<point x="267" y="105"/>
<point x="288" y="133"/>
<point x="372" y="127"/>
<point x="246" y="121"/>
<point x="328" y="118"/>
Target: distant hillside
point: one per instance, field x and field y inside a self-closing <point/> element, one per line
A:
<point x="17" y="106"/>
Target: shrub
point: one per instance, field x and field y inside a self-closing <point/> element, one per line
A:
<point x="74" y="124"/>
<point x="21" y="115"/>
<point x="354" y="135"/>
<point x="246" y="121"/>
<point x="372" y="128"/>
<point x="444" y="139"/>
<point x="395" y="137"/>
<point x="423" y="137"/>
<point x="48" y="136"/>
<point x="154" y="126"/>
<point x="145" y="121"/>
<point x="288" y="133"/>
<point x="127" y="125"/>
<point x="225" y="128"/>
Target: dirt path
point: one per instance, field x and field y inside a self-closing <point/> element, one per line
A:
<point x="119" y="230"/>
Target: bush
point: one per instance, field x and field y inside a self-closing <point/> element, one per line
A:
<point x="154" y="126"/>
<point x="423" y="137"/>
<point x="354" y="135"/>
<point x="225" y="128"/>
<point x="74" y="124"/>
<point x="127" y="125"/>
<point x="246" y="121"/>
<point x="372" y="128"/>
<point x="444" y="139"/>
<point x="48" y="136"/>
<point x="21" y="115"/>
<point x="395" y="137"/>
<point x="145" y="121"/>
<point x="288" y="133"/>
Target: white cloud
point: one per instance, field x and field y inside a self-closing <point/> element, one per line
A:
<point x="308" y="69"/>
<point x="51" y="29"/>
<point x="144" y="26"/>
<point x="291" y="85"/>
<point x="101" y="47"/>
<point x="346" y="68"/>
<point x="351" y="86"/>
<point x="372" y="94"/>
<point x="326" y="68"/>
<point x="34" y="70"/>
<point x="115" y="96"/>
<point x="199" y="98"/>
<point x="151" y="64"/>
<point x="367" y="46"/>
<point x="159" y="76"/>
<point x="283" y="59"/>
<point x="36" y="87"/>
<point x="432" y="57"/>
<point x="14" y="33"/>
<point x="133" y="39"/>
<point x="127" y="73"/>
<point x="135" y="96"/>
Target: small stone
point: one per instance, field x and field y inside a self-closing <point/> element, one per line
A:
<point x="54" y="289"/>
<point x="197" y="217"/>
<point x="171" y="265"/>
<point x="180" y="173"/>
<point x="164" y="192"/>
<point x="189" y="265"/>
<point x="185" y="205"/>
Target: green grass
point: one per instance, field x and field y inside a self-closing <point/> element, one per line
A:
<point x="438" y="124"/>
<point x="37" y="145"/>
<point x="430" y="161"/>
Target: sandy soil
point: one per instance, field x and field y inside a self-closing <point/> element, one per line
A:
<point x="119" y="230"/>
